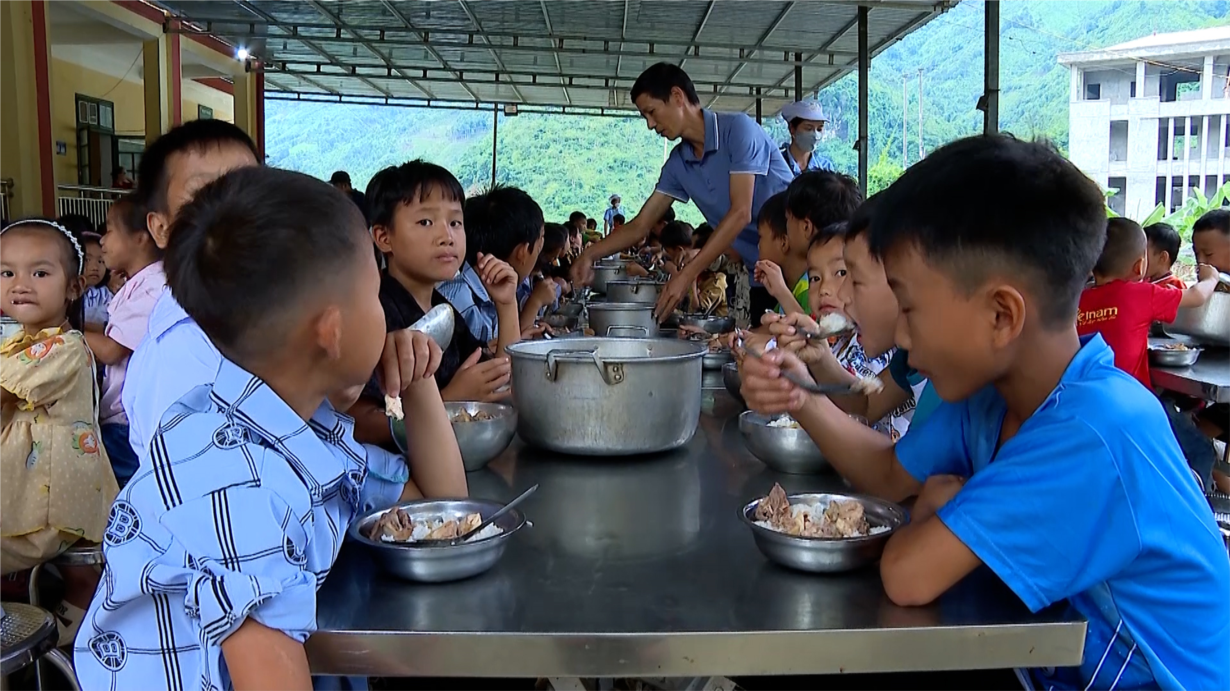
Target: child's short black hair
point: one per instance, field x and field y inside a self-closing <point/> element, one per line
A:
<point x="554" y="237"/>
<point x="659" y="79"/>
<point x="575" y="216"/>
<point x="700" y="236"/>
<point x="591" y="224"/>
<point x="132" y="216"/>
<point x="833" y="231"/>
<point x="676" y="235"/>
<point x="194" y="135"/>
<point x="618" y="218"/>
<point x="1217" y="219"/>
<point x="860" y="220"/>
<point x="77" y="224"/>
<point x="997" y="205"/>
<point x="407" y="184"/>
<point x="1165" y="238"/>
<point x="1125" y="244"/>
<point x="669" y="216"/>
<point x="823" y="197"/>
<point x="224" y="242"/>
<point x="773" y="215"/>
<point x="499" y="221"/>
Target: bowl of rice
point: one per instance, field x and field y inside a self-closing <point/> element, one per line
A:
<point x="781" y="444"/>
<point x="822" y="532"/>
<point x="395" y="537"/>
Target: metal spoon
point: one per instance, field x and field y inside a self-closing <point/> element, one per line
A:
<point x="808" y="386"/>
<point x="449" y="542"/>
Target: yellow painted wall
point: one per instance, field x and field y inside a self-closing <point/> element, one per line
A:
<point x="69" y="79"/>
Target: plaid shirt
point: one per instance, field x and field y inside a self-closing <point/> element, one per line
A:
<point x="237" y="511"/>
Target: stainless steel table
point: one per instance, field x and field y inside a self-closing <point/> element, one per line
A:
<point x="1208" y="379"/>
<point x="641" y="568"/>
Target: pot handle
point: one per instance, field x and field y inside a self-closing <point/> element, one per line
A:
<point x="611" y="374"/>
<point x="628" y="327"/>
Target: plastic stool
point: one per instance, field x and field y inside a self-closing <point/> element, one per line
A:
<point x="27" y="635"/>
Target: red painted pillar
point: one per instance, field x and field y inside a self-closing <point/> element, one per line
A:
<point x="42" y="86"/>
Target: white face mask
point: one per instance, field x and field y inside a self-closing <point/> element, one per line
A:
<point x="807" y="140"/>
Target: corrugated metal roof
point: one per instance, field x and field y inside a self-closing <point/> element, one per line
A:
<point x="577" y="54"/>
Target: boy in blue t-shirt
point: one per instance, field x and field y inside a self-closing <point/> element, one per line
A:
<point x="1045" y="462"/>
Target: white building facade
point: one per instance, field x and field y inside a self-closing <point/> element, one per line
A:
<point x="1150" y="118"/>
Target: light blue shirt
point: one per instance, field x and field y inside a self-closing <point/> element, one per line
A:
<point x="610" y="214"/>
<point x="174" y="357"/>
<point x="1091" y="502"/>
<point x="814" y="162"/>
<point x="467" y="294"/>
<point x="734" y="143"/>
<point x="238" y="511"/>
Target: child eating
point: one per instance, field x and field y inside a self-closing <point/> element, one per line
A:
<point x="1211" y="239"/>
<point x="1121" y="307"/>
<point x="503" y="230"/>
<point x="216" y="549"/>
<point x="1164" y="243"/>
<point x="1046" y="463"/>
<point x="56" y="482"/>
<point x="418" y="224"/>
<point x="778" y="258"/>
<point x="128" y="249"/>
<point x="176" y="357"/>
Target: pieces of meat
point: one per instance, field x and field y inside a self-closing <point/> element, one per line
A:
<point x="846" y="517"/>
<point x="774" y="508"/>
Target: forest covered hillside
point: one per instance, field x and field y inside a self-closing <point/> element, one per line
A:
<point x="575" y="162"/>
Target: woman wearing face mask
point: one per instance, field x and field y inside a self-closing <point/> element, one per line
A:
<point x="806" y="120"/>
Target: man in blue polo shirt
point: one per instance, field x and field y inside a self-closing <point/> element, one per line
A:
<point x="725" y="163"/>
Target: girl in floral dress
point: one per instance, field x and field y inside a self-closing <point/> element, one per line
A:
<point x="55" y="480"/>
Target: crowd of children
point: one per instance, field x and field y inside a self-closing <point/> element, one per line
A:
<point x="238" y="423"/>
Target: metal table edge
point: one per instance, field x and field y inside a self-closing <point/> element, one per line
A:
<point x="826" y="651"/>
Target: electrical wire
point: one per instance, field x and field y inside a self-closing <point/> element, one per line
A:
<point x="126" y="73"/>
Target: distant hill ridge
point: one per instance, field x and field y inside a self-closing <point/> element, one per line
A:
<point x="569" y="162"/>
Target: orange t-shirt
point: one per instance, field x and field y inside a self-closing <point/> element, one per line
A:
<point x="1170" y="281"/>
<point x="1122" y="312"/>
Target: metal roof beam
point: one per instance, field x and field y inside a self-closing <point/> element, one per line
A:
<point x="623" y="34"/>
<point x="559" y="67"/>
<point x="388" y="7"/>
<point x="548" y="108"/>
<point x="337" y="21"/>
<point x="699" y="28"/>
<point x="781" y="16"/>
<point x="876" y="49"/>
<point x="249" y="7"/>
<point x="787" y="60"/>
<point x="494" y="56"/>
<point x="506" y="79"/>
<point x="220" y="24"/>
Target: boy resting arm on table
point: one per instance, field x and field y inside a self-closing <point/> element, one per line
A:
<point x="1046" y="463"/>
<point x="217" y="550"/>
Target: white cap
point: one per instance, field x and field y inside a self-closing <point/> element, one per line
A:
<point x="615" y="196"/>
<point x="803" y="110"/>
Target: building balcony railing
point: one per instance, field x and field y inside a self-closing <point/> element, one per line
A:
<point x="91" y="202"/>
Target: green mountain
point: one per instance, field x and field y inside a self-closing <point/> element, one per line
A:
<point x="575" y="162"/>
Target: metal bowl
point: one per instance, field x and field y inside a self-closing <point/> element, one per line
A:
<point x="1166" y="357"/>
<point x="562" y="321"/>
<point x="783" y="449"/>
<point x="732" y="381"/>
<point x="1209" y="323"/>
<point x="717" y="359"/>
<point x="482" y="440"/>
<point x="438" y="323"/>
<point x="827" y="555"/>
<point x="437" y="564"/>
<point x="710" y="325"/>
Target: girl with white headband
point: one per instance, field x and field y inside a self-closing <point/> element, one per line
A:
<point x="55" y="480"/>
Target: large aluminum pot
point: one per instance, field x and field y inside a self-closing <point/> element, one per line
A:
<point x="607" y="396"/>
<point x="634" y="290"/>
<point x="627" y="319"/>
<point x="1207" y="324"/>
<point x="608" y="272"/>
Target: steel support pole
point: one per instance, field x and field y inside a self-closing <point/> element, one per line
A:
<point x="990" y="117"/>
<point x="798" y="77"/>
<point x="864" y="67"/>
<point x="495" y="140"/>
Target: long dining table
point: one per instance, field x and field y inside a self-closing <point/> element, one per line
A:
<point x="642" y="567"/>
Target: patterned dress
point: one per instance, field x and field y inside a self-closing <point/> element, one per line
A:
<point x="57" y="484"/>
